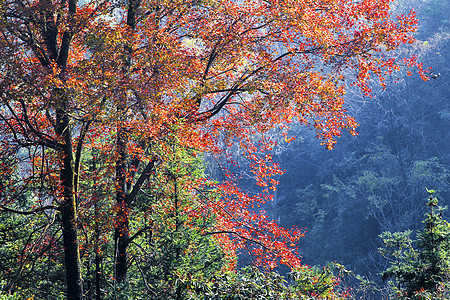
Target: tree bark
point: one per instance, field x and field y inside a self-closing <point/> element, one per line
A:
<point x="68" y="205"/>
<point x="122" y="233"/>
<point x="67" y="172"/>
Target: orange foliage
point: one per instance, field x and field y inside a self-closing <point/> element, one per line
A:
<point x="216" y="73"/>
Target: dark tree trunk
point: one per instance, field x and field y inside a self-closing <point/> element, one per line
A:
<point x="68" y="206"/>
<point x="98" y="293"/>
<point x="122" y="235"/>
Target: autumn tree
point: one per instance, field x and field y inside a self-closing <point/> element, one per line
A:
<point x="36" y="107"/>
<point x="172" y="251"/>
<point x="119" y="78"/>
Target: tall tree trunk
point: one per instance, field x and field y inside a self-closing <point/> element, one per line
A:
<point x="122" y="235"/>
<point x="98" y="292"/>
<point x="68" y="205"/>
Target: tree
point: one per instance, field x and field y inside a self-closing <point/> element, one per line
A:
<point x="178" y="252"/>
<point x="421" y="267"/>
<point x="118" y="78"/>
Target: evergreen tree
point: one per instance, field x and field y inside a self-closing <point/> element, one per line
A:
<point x="421" y="267"/>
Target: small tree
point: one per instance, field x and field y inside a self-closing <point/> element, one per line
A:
<point x="421" y="267"/>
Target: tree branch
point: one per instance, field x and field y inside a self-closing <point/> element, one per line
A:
<point x="139" y="232"/>
<point x="238" y="235"/>
<point x="31" y="212"/>
<point x="144" y="176"/>
<point x="84" y="130"/>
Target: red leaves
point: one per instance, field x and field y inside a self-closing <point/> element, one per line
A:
<point x="225" y="78"/>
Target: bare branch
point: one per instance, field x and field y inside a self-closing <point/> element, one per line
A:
<point x="144" y="176"/>
<point x="31" y="212"/>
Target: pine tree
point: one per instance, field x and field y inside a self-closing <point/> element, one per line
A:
<point x="421" y="267"/>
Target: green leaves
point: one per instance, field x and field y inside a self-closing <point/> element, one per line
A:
<point x="250" y="283"/>
<point x="420" y="267"/>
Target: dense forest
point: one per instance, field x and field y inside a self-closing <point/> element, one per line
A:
<point x="209" y="149"/>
